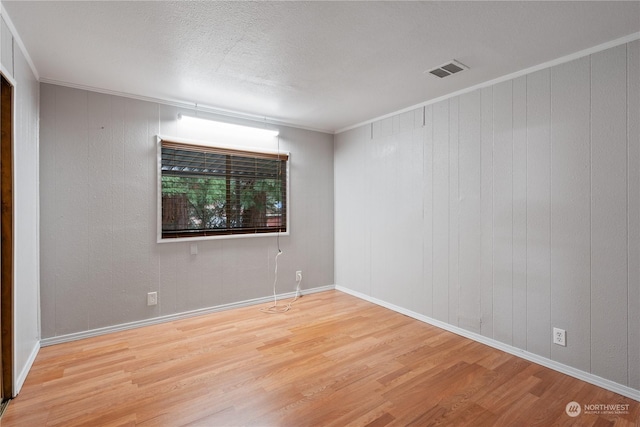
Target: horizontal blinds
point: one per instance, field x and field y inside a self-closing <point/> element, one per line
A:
<point x="185" y="162"/>
<point x="212" y="190"/>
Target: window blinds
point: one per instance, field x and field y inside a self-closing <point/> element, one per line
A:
<point x="213" y="190"/>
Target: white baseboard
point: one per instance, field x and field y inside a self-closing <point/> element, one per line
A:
<point x="22" y="375"/>
<point x="171" y="317"/>
<point x="556" y="366"/>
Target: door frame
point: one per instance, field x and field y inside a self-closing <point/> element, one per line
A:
<point x="7" y="117"/>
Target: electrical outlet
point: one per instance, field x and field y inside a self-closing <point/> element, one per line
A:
<point x="299" y="276"/>
<point x="152" y="298"/>
<point x="560" y="337"/>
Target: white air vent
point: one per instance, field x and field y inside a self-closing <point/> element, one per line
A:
<point x="451" y="67"/>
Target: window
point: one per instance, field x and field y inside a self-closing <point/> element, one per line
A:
<point x="216" y="191"/>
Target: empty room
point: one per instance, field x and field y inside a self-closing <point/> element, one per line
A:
<point x="323" y="213"/>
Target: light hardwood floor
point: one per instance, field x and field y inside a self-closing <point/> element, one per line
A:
<point x="333" y="360"/>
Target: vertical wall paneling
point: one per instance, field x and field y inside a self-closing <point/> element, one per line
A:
<point x="100" y="257"/>
<point x="48" y="196"/>
<point x="384" y="220"/>
<point x="208" y="261"/>
<point x="441" y="216"/>
<point x="173" y="288"/>
<point x="609" y="213"/>
<point x="428" y="210"/>
<point x="247" y="271"/>
<point x="470" y="220"/>
<point x="530" y="212"/>
<point x="313" y="158"/>
<point x="571" y="211"/>
<point x="503" y="212"/>
<point x="454" y="213"/>
<point x="538" y="215"/>
<point x="26" y="228"/>
<point x="352" y="200"/>
<point x="406" y="122"/>
<point x="520" y="212"/>
<point x="138" y="148"/>
<point x="100" y="144"/>
<point x="633" y="218"/>
<point x="382" y="128"/>
<point x="169" y="281"/>
<point x="486" y="199"/>
<point x="151" y="201"/>
<point x="397" y="155"/>
<point x="413" y="177"/>
<point x="118" y="284"/>
<point x="71" y="211"/>
<point x="6" y="55"/>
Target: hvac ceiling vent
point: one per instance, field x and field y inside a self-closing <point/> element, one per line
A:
<point x="451" y="67"/>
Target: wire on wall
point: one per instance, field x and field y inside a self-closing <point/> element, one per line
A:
<point x="274" y="308"/>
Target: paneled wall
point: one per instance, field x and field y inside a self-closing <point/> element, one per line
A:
<point x="25" y="203"/>
<point x="99" y="256"/>
<point x="507" y="211"/>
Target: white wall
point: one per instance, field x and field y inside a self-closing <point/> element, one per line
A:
<point x="99" y="254"/>
<point x="26" y="233"/>
<point x="507" y="211"/>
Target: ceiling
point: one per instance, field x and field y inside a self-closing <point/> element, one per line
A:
<point x="320" y="65"/>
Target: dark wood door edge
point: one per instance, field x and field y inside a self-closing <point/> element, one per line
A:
<point x="6" y="237"/>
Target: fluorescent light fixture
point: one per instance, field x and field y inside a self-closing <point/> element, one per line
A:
<point x="228" y="129"/>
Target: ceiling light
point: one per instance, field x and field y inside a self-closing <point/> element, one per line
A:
<point x="222" y="128"/>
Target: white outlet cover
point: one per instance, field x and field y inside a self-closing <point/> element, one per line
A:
<point x="560" y="337"/>
<point x="152" y="298"/>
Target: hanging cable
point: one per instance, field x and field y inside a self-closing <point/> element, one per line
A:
<point x="274" y="308"/>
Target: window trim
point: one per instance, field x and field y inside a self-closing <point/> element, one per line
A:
<point x="160" y="239"/>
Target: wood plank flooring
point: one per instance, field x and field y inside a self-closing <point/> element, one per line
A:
<point x="333" y="360"/>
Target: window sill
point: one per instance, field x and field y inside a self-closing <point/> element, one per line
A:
<point x="220" y="237"/>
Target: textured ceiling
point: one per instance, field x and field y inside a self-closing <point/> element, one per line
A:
<point x="320" y="65"/>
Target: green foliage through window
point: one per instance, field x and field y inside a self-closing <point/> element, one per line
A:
<point x="210" y="191"/>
